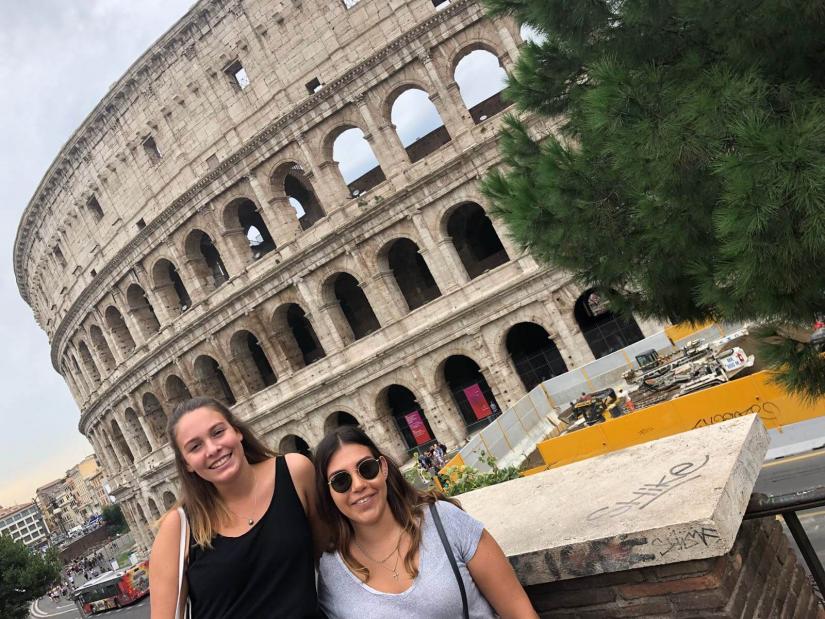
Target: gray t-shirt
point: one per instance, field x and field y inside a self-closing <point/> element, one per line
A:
<point x="433" y="594"/>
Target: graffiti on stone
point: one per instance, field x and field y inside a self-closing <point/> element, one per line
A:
<point x="767" y="411"/>
<point x="684" y="541"/>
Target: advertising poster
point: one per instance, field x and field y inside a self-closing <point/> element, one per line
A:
<point x="417" y="427"/>
<point x="477" y="401"/>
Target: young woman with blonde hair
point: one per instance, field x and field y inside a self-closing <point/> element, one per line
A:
<point x="387" y="557"/>
<point x="249" y="547"/>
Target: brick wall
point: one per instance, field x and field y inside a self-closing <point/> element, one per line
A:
<point x="759" y="577"/>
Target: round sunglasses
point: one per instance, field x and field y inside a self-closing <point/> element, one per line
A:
<point x="368" y="469"/>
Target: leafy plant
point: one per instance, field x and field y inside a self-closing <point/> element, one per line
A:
<point x="460" y="479"/>
<point x="24" y="577"/>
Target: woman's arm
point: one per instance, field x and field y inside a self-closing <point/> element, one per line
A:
<point x="497" y="581"/>
<point x="302" y="472"/>
<point x="163" y="568"/>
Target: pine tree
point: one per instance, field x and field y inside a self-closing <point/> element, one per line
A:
<point x="687" y="180"/>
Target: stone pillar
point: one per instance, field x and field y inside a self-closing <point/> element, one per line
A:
<point x="132" y="325"/>
<point x="144" y="424"/>
<point x="508" y="59"/>
<point x="574" y="349"/>
<point x="324" y="328"/>
<point x="271" y="347"/>
<point x="326" y="182"/>
<point x="107" y="336"/>
<point x="388" y="150"/>
<point x="145" y="282"/>
<point x="446" y="248"/>
<point x="234" y="260"/>
<point x="278" y="215"/>
<point x="188" y="274"/>
<point x="441" y="272"/>
<point x="453" y="112"/>
<point x="384" y="433"/>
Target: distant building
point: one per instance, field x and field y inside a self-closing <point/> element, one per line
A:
<point x="23" y="523"/>
<point x="72" y="500"/>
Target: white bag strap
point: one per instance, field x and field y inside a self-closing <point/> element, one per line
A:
<point x="181" y="560"/>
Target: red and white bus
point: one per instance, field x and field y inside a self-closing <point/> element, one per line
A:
<point x="113" y="590"/>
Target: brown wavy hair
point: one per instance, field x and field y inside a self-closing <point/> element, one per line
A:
<point x="406" y="502"/>
<point x="199" y="498"/>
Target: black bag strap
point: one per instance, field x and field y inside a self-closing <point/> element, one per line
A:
<point x="446" y="543"/>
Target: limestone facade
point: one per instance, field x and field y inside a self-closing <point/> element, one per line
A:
<point x="164" y="254"/>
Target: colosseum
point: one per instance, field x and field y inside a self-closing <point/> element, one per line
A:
<point x="277" y="205"/>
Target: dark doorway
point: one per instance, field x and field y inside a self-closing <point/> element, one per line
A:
<point x="534" y="354"/>
<point x="604" y="331"/>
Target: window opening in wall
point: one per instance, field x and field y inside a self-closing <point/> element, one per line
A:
<point x="151" y="148"/>
<point x="301" y="197"/>
<point x="471" y="393"/>
<point x="93" y="273"/>
<point x="212" y="162"/>
<point x="94" y="207"/>
<point x="356" y="161"/>
<point x="141" y="223"/>
<point x="257" y="234"/>
<point x="237" y="75"/>
<point x="213" y="261"/>
<point x="348" y="4"/>
<point x="534" y="354"/>
<point x="475" y="239"/>
<point x="58" y="255"/>
<point x="604" y="331"/>
<point x="412" y="274"/>
<point x="481" y="78"/>
<point x="314" y="85"/>
<point x="441" y="4"/>
<point x="355" y="306"/>
<point x="418" y="124"/>
<point x="304" y="335"/>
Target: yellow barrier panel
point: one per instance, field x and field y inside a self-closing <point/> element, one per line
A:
<point x="750" y="394"/>
<point x="683" y="330"/>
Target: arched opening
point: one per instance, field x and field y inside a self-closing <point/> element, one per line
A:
<point x="169" y="287"/>
<point x="409" y="416"/>
<point x="156" y="417"/>
<point x="356" y="161"/>
<point x="169" y="500"/>
<point x="412" y="274"/>
<point x="153" y="508"/>
<point x="88" y="362"/>
<point x="418" y="124"/>
<point x="102" y="348"/>
<point x="469" y="389"/>
<point x="212" y="381"/>
<point x="301" y="197"/>
<point x="339" y="419"/>
<point x="534" y="354"/>
<point x="109" y="449"/>
<point x="74" y="367"/>
<point x="475" y="239"/>
<point x="293" y="443"/>
<point x="354" y="305"/>
<point x="142" y="310"/>
<point x="136" y="430"/>
<point x="303" y="336"/>
<point x="604" y="331"/>
<point x="251" y="360"/>
<point x="206" y="259"/>
<point x="117" y="327"/>
<point x="246" y="214"/>
<point x="176" y="391"/>
<point x="481" y="78"/>
<point x="120" y="442"/>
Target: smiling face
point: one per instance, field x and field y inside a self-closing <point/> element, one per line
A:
<point x="365" y="502"/>
<point x="210" y="446"/>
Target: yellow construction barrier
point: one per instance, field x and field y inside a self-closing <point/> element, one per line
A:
<point x="685" y="329"/>
<point x="749" y="394"/>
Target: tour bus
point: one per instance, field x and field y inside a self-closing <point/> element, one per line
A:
<point x="113" y="590"/>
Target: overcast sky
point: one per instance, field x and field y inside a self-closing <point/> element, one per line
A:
<point x="57" y="60"/>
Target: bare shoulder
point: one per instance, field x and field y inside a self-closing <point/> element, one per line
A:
<point x="168" y="534"/>
<point x="300" y="467"/>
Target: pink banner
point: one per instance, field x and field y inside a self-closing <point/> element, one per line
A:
<point x="417" y="427"/>
<point x="478" y="402"/>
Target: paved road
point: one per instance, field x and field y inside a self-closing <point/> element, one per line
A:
<point x="67" y="610"/>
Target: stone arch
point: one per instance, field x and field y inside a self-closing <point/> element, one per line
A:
<point x="142" y="310"/>
<point x="290" y="179"/>
<point x="339" y="419"/>
<point x="417" y="121"/>
<point x="120" y="442"/>
<point x="88" y="362"/>
<point x="169" y="499"/>
<point x="480" y="76"/>
<point x="356" y="161"/>
<point x="475" y="239"/>
<point x="400" y="404"/>
<point x="411" y="273"/>
<point x="604" y="331"/>
<point x="292" y="443"/>
<point x="117" y="327"/>
<point x="468" y="389"/>
<point x="176" y="390"/>
<point x="205" y="259"/>
<point x="301" y="344"/>
<point x="101" y="346"/>
<point x="136" y="430"/>
<point x="153" y="508"/>
<point x="251" y="361"/>
<point x="533" y="354"/>
<point x="156" y="416"/>
<point x="169" y="287"/>
<point x="78" y="375"/>
<point x="212" y="381"/>
<point x="256" y="240"/>
<point x="344" y="291"/>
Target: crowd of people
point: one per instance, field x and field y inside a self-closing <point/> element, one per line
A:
<point x="433" y="458"/>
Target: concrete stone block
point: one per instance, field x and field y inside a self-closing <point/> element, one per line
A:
<point x="680" y="498"/>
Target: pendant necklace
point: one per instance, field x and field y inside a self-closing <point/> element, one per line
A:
<point x="394" y="551"/>
<point x="251" y="521"/>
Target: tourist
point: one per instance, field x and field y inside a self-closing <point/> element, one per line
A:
<point x="386" y="558"/>
<point x="250" y="551"/>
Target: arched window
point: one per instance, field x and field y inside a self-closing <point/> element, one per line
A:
<point x="354" y="305"/>
<point x="303" y="335"/>
<point x="169" y="287"/>
<point x="339" y="419"/>
<point x="153" y="508"/>
<point x="156" y="416"/>
<point x="604" y="331"/>
<point x="102" y="348"/>
<point x="136" y="430"/>
<point x="301" y="196"/>
<point x="176" y="391"/>
<point x="206" y="259"/>
<point x="475" y="239"/>
<point x="418" y="124"/>
<point x="168" y="500"/>
<point x="142" y="310"/>
<point x="356" y="161"/>
<point x="481" y="78"/>
<point x="534" y="354"/>
<point x="408" y="415"/>
<point x="243" y="212"/>
<point x="470" y="392"/>
<point x="117" y="327"/>
<point x="212" y="381"/>
<point x="88" y="362"/>
<point x="293" y="443"/>
<point x="120" y="442"/>
<point x="411" y="274"/>
<point x="251" y="360"/>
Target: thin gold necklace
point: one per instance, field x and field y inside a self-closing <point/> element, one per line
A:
<point x="251" y="521"/>
<point x="394" y="568"/>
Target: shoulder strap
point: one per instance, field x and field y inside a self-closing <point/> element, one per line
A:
<point x="182" y="613"/>
<point x="446" y="543"/>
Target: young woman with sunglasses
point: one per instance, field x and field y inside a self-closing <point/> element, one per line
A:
<point x="250" y="551"/>
<point x="386" y="557"/>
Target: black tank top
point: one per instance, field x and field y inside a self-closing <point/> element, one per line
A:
<point x="265" y="573"/>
